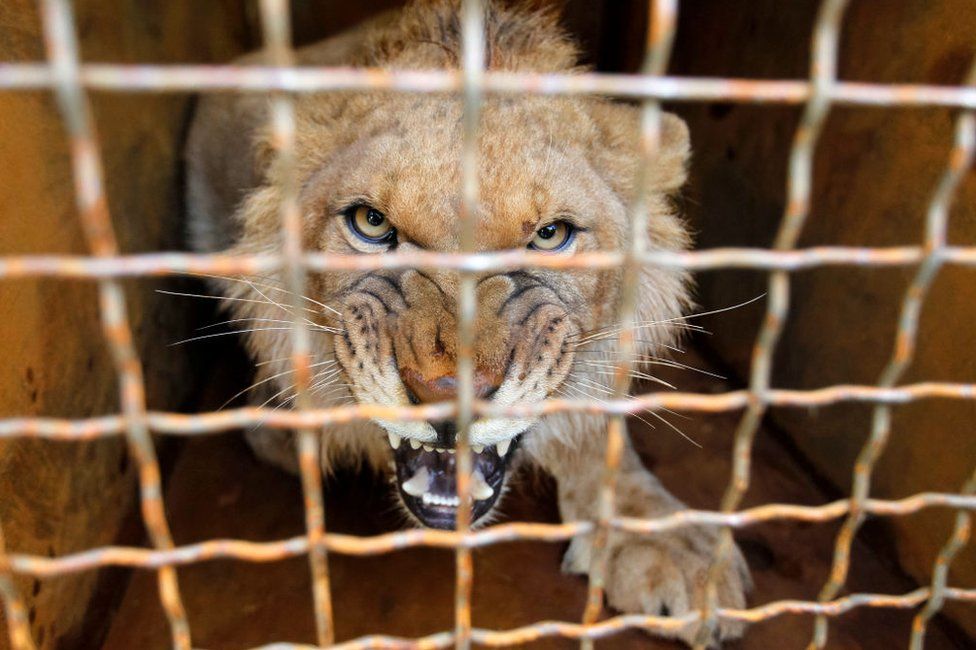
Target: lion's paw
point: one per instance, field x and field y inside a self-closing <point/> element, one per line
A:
<point x="665" y="575"/>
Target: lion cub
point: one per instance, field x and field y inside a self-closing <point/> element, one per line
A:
<point x="379" y="172"/>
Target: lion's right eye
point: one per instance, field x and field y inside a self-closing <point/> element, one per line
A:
<point x="370" y="225"/>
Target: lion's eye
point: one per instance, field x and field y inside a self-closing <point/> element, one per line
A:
<point x="554" y="237"/>
<point x="370" y="224"/>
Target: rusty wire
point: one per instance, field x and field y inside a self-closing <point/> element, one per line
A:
<point x="823" y="72"/>
<point x="258" y="552"/>
<point x="903" y="353"/>
<point x="961" y="531"/>
<point x="661" y="25"/>
<point x="309" y="79"/>
<point x="276" y="28"/>
<point x="220" y="421"/>
<point x="62" y="51"/>
<point x="69" y="79"/>
<point x="157" y="264"/>
<point x="621" y="623"/>
<point x="18" y="624"/>
<point x="473" y="68"/>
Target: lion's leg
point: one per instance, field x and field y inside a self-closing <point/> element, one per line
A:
<point x="660" y="574"/>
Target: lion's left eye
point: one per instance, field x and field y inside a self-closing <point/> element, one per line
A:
<point x="554" y="237"/>
<point x="370" y="224"/>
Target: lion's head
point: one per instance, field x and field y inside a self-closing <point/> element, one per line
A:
<point x="381" y="172"/>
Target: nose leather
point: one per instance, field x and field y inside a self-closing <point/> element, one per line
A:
<point x="445" y="387"/>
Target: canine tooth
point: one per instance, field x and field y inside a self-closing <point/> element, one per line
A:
<point x="478" y="448"/>
<point x="415" y="443"/>
<point x="480" y="489"/>
<point x="394" y="439"/>
<point x="417" y="485"/>
<point x="503" y="447"/>
<point x="428" y="447"/>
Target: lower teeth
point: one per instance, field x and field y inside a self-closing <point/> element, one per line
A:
<point x="436" y="500"/>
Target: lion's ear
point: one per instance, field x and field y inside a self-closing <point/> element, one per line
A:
<point x="672" y="164"/>
<point x="619" y="126"/>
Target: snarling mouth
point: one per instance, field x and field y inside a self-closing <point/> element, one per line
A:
<point x="427" y="479"/>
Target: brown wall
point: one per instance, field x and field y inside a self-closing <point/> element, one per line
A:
<point x="57" y="497"/>
<point x="875" y="173"/>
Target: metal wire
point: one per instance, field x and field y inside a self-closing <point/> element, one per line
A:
<point x="936" y="227"/>
<point x="156" y="264"/>
<point x="276" y="25"/>
<point x="92" y="204"/>
<point x="310" y="79"/>
<point x="18" y="624"/>
<point x="41" y="566"/>
<point x="220" y="421"/>
<point x="961" y="530"/>
<point x="69" y="79"/>
<point x="662" y="23"/>
<point x="823" y="71"/>
<point x="473" y="64"/>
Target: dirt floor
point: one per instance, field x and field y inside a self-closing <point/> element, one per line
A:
<point x="216" y="489"/>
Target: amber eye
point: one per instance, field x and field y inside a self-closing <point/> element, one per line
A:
<point x="554" y="237"/>
<point x="370" y="225"/>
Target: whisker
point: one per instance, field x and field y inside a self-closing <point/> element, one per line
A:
<point x="242" y="320"/>
<point x="670" y="425"/>
<point x="222" y="298"/>
<point x="654" y="414"/>
<point x="279" y="359"/>
<point x="652" y="361"/>
<point x="266" y="380"/>
<point x="592" y="384"/>
<point x="272" y="287"/>
<point x="636" y="374"/>
<point x="231" y="333"/>
<point x="677" y="319"/>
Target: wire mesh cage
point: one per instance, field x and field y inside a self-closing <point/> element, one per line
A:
<point x="73" y="81"/>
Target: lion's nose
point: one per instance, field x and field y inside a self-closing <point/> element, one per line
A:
<point x="444" y="388"/>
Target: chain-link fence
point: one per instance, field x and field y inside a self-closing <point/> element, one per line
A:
<point x="70" y="80"/>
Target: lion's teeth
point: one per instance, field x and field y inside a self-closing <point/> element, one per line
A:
<point x="480" y="489"/>
<point x="394" y="439"/>
<point x="439" y="500"/>
<point x="478" y="448"/>
<point x="428" y="447"/>
<point x="414" y="443"/>
<point x="503" y="447"/>
<point x="417" y="485"/>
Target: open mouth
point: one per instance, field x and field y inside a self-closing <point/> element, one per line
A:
<point x="427" y="479"/>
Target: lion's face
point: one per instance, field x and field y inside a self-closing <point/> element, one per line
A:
<point x="381" y="173"/>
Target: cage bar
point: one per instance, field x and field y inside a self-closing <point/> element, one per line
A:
<point x="62" y="49"/>
<point x="276" y="28"/>
<point x="662" y="23"/>
<point x="936" y="227"/>
<point x="823" y="71"/>
<point x="473" y="64"/>
<point x="181" y="424"/>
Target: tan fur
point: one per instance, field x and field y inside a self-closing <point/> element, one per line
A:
<point x="541" y="158"/>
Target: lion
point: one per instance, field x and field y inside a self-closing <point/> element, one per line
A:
<point x="379" y="172"/>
